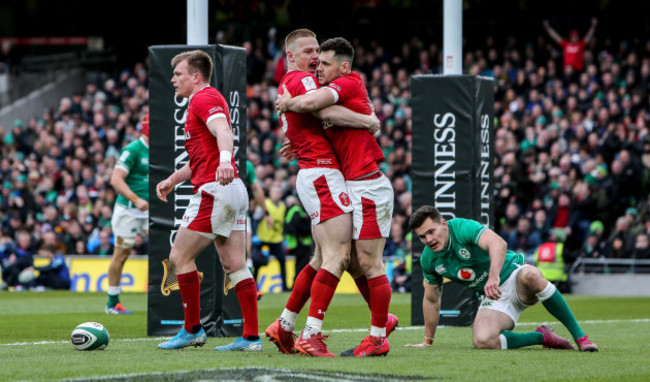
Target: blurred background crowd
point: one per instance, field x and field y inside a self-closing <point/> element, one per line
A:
<point x="572" y="147"/>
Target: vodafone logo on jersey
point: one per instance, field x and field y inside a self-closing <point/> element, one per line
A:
<point x="345" y="199"/>
<point x="466" y="274"/>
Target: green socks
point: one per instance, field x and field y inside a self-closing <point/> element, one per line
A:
<point x="511" y="340"/>
<point x="555" y="303"/>
<point x="112" y="300"/>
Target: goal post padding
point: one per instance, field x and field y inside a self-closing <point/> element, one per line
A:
<point x="220" y="313"/>
<point x="453" y="139"/>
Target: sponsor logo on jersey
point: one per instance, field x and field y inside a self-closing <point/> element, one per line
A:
<point x="464" y="253"/>
<point x="478" y="281"/>
<point x="466" y="274"/>
<point x="440" y="269"/>
<point x="323" y="161"/>
<point x="345" y="199"/>
<point x="308" y="83"/>
<point x="187" y="135"/>
<point x="215" y="110"/>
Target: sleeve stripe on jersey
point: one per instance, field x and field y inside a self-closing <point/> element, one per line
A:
<point x="335" y="93"/>
<point x="478" y="236"/>
<point x="122" y="167"/>
<point x="215" y="116"/>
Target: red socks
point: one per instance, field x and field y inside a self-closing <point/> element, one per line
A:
<point x="190" y="288"/>
<point x="380" y="293"/>
<point x="362" y="285"/>
<point x="322" y="292"/>
<point x="301" y="289"/>
<point x="247" y="295"/>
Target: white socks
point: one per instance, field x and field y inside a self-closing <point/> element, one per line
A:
<point x="504" y="342"/>
<point x="288" y="320"/>
<point x="547" y="292"/>
<point x="114" y="290"/>
<point x="377" y="332"/>
<point x="313" y="326"/>
<point x="240" y="275"/>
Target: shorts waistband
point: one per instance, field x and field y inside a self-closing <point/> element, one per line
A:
<point x="370" y="176"/>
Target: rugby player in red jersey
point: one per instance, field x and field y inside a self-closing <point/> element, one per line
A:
<point x="322" y="191"/>
<point x="217" y="210"/>
<point x="371" y="193"/>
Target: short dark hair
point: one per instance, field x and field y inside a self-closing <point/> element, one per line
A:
<point x="343" y="50"/>
<point x="421" y="214"/>
<point x="197" y="61"/>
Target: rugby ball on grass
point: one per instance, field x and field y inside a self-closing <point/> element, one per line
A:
<point x="90" y="336"/>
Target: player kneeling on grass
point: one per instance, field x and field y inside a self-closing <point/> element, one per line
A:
<point x="464" y="251"/>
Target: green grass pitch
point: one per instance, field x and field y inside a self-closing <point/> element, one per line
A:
<point x="35" y="330"/>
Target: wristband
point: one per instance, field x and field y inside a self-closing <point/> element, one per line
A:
<point x="225" y="156"/>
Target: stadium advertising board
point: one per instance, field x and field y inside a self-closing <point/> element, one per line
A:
<point x="90" y="274"/>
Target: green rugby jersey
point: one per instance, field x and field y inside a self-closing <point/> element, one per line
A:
<point x="251" y="177"/>
<point x="463" y="260"/>
<point x="134" y="159"/>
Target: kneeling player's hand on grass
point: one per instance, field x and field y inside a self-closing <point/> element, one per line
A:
<point x="420" y="345"/>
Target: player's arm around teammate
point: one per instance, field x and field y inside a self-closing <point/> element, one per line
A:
<point x="322" y="104"/>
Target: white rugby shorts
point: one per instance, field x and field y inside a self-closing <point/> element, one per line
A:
<point x="509" y="303"/>
<point x="323" y="193"/>
<point x="217" y="210"/>
<point x="128" y="222"/>
<point x="372" y="201"/>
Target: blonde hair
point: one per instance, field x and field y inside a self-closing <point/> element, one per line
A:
<point x="295" y="35"/>
<point x="197" y="61"/>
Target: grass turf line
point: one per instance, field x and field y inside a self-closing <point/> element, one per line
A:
<point x="51" y="316"/>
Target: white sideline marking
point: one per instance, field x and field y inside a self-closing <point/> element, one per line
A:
<point x="400" y="328"/>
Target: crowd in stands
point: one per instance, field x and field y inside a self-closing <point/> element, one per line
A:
<point x="572" y="148"/>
